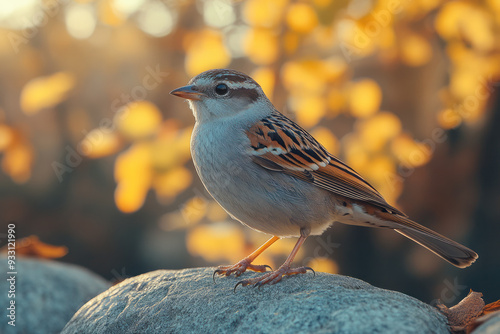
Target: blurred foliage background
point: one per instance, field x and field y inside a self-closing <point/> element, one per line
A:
<point x="95" y="152"/>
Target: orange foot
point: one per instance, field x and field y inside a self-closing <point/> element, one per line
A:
<point x="274" y="277"/>
<point x="239" y="268"/>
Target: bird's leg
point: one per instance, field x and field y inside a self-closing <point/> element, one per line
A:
<point x="240" y="267"/>
<point x="275" y="276"/>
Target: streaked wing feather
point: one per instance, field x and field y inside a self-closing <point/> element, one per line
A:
<point x="278" y="144"/>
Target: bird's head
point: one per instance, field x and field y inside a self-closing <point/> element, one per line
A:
<point x="223" y="93"/>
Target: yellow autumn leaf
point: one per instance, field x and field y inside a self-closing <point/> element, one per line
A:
<point x="387" y="39"/>
<point x="100" y="143"/>
<point x="378" y="129"/>
<point x="138" y="120"/>
<point x="217" y="242"/>
<point x="133" y="175"/>
<point x="265" y="77"/>
<point x="356" y="154"/>
<point x="336" y="101"/>
<point x="17" y="161"/>
<point x="263" y="13"/>
<point x="494" y="5"/>
<point x="108" y="14"/>
<point x="171" y="149"/>
<point x="311" y="76"/>
<point x="391" y="187"/>
<point x="326" y="138"/>
<point x="194" y="209"/>
<point x="410" y="152"/>
<point x="215" y="212"/>
<point x="33" y="247"/>
<point x="380" y="166"/>
<point x="322" y="3"/>
<point x="169" y="184"/>
<point x="365" y="97"/>
<point x="449" y="17"/>
<point x="261" y="45"/>
<point x="478" y="28"/>
<point x="353" y="41"/>
<point x="290" y="42"/>
<point x="463" y="82"/>
<point x="325" y="37"/>
<point x="460" y="19"/>
<point x="449" y="119"/>
<point x="415" y="50"/>
<point x="46" y="92"/>
<point x="130" y="195"/>
<point x="301" y="18"/>
<point x="133" y="161"/>
<point x="458" y="52"/>
<point x="206" y="51"/>
<point x="165" y="155"/>
<point x="310" y="110"/>
<point x="333" y="69"/>
<point x="6" y="136"/>
<point x="428" y="5"/>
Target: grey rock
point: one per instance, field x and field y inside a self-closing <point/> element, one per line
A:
<point x="47" y="294"/>
<point x="188" y="301"/>
<point x="491" y="326"/>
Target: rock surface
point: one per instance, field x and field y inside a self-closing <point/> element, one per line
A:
<point x="187" y="301"/>
<point x="490" y="326"/>
<point x="47" y="294"/>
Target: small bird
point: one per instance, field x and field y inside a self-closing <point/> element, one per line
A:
<point x="271" y="175"/>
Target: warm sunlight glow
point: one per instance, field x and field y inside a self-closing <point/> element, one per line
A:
<point x="217" y="242"/>
<point x="139" y="120"/>
<point x="80" y="20"/>
<point x="218" y="13"/>
<point x="156" y="19"/>
<point x="206" y="50"/>
<point x="365" y="98"/>
<point x="133" y="175"/>
<point x="127" y="7"/>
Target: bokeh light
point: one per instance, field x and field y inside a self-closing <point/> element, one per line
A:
<point x="94" y="152"/>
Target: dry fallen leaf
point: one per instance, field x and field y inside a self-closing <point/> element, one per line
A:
<point x="464" y="313"/>
<point x="489" y="311"/>
<point x="492" y="307"/>
<point x="32" y="246"/>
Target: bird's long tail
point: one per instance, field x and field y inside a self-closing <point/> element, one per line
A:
<point x="451" y="251"/>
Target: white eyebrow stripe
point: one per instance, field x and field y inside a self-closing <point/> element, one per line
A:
<point x="236" y="85"/>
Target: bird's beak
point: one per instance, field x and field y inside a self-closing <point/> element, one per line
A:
<point x="188" y="92"/>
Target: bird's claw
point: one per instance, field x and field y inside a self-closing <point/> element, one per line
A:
<point x="239" y="268"/>
<point x="311" y="269"/>
<point x="274" y="276"/>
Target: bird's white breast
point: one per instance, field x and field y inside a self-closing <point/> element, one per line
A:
<point x="268" y="201"/>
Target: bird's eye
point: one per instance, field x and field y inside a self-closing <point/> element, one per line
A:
<point x="221" y="89"/>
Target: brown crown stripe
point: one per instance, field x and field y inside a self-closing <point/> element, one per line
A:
<point x="251" y="94"/>
<point x="228" y="75"/>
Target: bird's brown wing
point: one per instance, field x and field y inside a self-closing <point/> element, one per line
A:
<point x="279" y="144"/>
